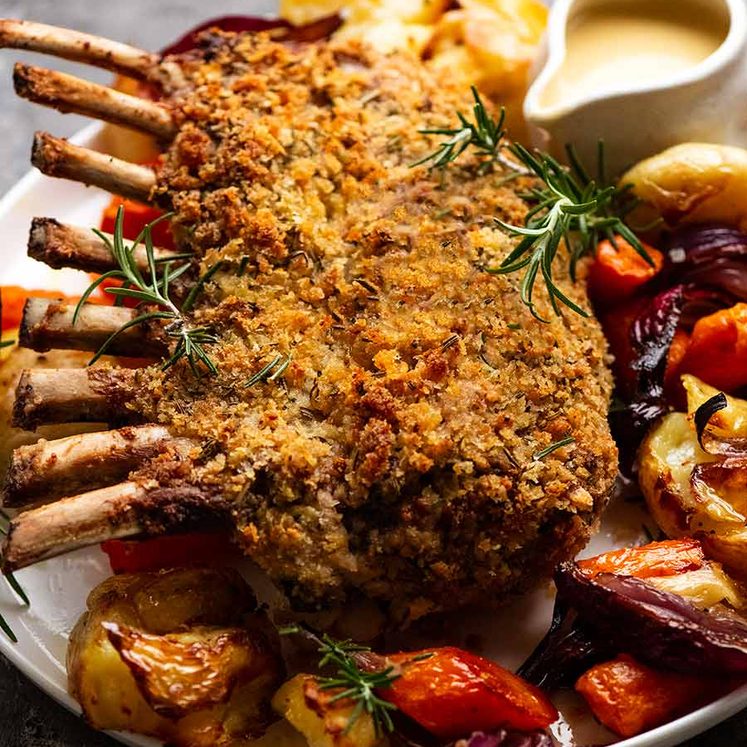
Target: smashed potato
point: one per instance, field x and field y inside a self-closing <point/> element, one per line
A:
<point x="693" y="493"/>
<point x="323" y="721"/>
<point x="181" y="655"/>
<point x="692" y="182"/>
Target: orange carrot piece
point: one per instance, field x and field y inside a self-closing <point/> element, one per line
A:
<point x="14" y="299"/>
<point x="666" y="558"/>
<point x="629" y="697"/>
<point x="618" y="271"/>
<point x="717" y="352"/>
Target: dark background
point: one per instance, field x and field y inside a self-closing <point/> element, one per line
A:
<point x="28" y="717"/>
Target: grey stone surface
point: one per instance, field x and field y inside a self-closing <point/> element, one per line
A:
<point x="30" y="718"/>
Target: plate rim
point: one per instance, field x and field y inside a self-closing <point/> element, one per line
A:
<point x="667" y="735"/>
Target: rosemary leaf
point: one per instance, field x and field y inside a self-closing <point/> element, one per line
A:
<point x="540" y="455"/>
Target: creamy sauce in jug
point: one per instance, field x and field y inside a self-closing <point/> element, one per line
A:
<point x="618" y="44"/>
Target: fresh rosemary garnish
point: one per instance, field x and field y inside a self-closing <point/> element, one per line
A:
<point x="152" y="289"/>
<point x="357" y="685"/>
<point x="271" y="371"/>
<point x="13" y="583"/>
<point x="569" y="208"/>
<point x="353" y="682"/>
<point x="542" y="453"/>
<point x="484" y="133"/>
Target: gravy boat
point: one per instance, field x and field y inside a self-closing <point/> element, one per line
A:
<point x="705" y="102"/>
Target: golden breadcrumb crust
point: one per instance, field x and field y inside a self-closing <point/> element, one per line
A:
<point x="394" y="456"/>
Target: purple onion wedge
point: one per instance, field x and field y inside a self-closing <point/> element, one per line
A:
<point x="505" y="738"/>
<point x="657" y="627"/>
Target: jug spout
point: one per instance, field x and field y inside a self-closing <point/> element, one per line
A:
<point x="640" y="75"/>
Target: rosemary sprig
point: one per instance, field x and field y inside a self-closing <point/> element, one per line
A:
<point x="484" y="133"/>
<point x="570" y="207"/>
<point x="356" y="684"/>
<point x="353" y="682"/>
<point x="152" y="289"/>
<point x="271" y="371"/>
<point x="13" y="583"/>
<point x="542" y="453"/>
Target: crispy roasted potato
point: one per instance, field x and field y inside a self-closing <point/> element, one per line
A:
<point x="324" y="722"/>
<point x="182" y="655"/>
<point x="686" y="504"/>
<point x="692" y="182"/>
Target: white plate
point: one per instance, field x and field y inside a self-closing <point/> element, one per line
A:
<point x="58" y="587"/>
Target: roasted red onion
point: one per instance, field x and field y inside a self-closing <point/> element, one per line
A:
<point x="504" y="738"/>
<point x="657" y="627"/>
<point x="708" y="257"/>
<point x="565" y="652"/>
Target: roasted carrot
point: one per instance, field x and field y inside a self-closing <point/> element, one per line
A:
<point x="618" y="271"/>
<point x="14" y="299"/>
<point x="451" y="692"/>
<point x="717" y="351"/>
<point x="629" y="697"/>
<point x="665" y="558"/>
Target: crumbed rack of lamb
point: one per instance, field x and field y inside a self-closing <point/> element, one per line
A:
<point x="394" y="454"/>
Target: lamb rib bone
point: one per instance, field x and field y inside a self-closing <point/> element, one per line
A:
<point x="123" y="510"/>
<point x="56" y="157"/>
<point x="79" y="47"/>
<point x="73" y="95"/>
<point x="59" y="245"/>
<point x="48" y="324"/>
<point x="69" y="395"/>
<point x="47" y="470"/>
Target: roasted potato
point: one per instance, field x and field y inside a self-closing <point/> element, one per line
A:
<point x="680" y="498"/>
<point x="182" y="655"/>
<point x="324" y="722"/>
<point x="692" y="182"/>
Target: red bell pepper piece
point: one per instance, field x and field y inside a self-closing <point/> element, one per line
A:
<point x="136" y="217"/>
<point x="134" y="556"/>
<point x="452" y="693"/>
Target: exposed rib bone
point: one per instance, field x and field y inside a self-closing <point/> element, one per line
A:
<point x="68" y="396"/>
<point x="74" y="45"/>
<point x="122" y="510"/>
<point x="71" y="523"/>
<point x="70" y="94"/>
<point x="56" y="157"/>
<point x="47" y="470"/>
<point x="48" y="324"/>
<point x="59" y="245"/>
